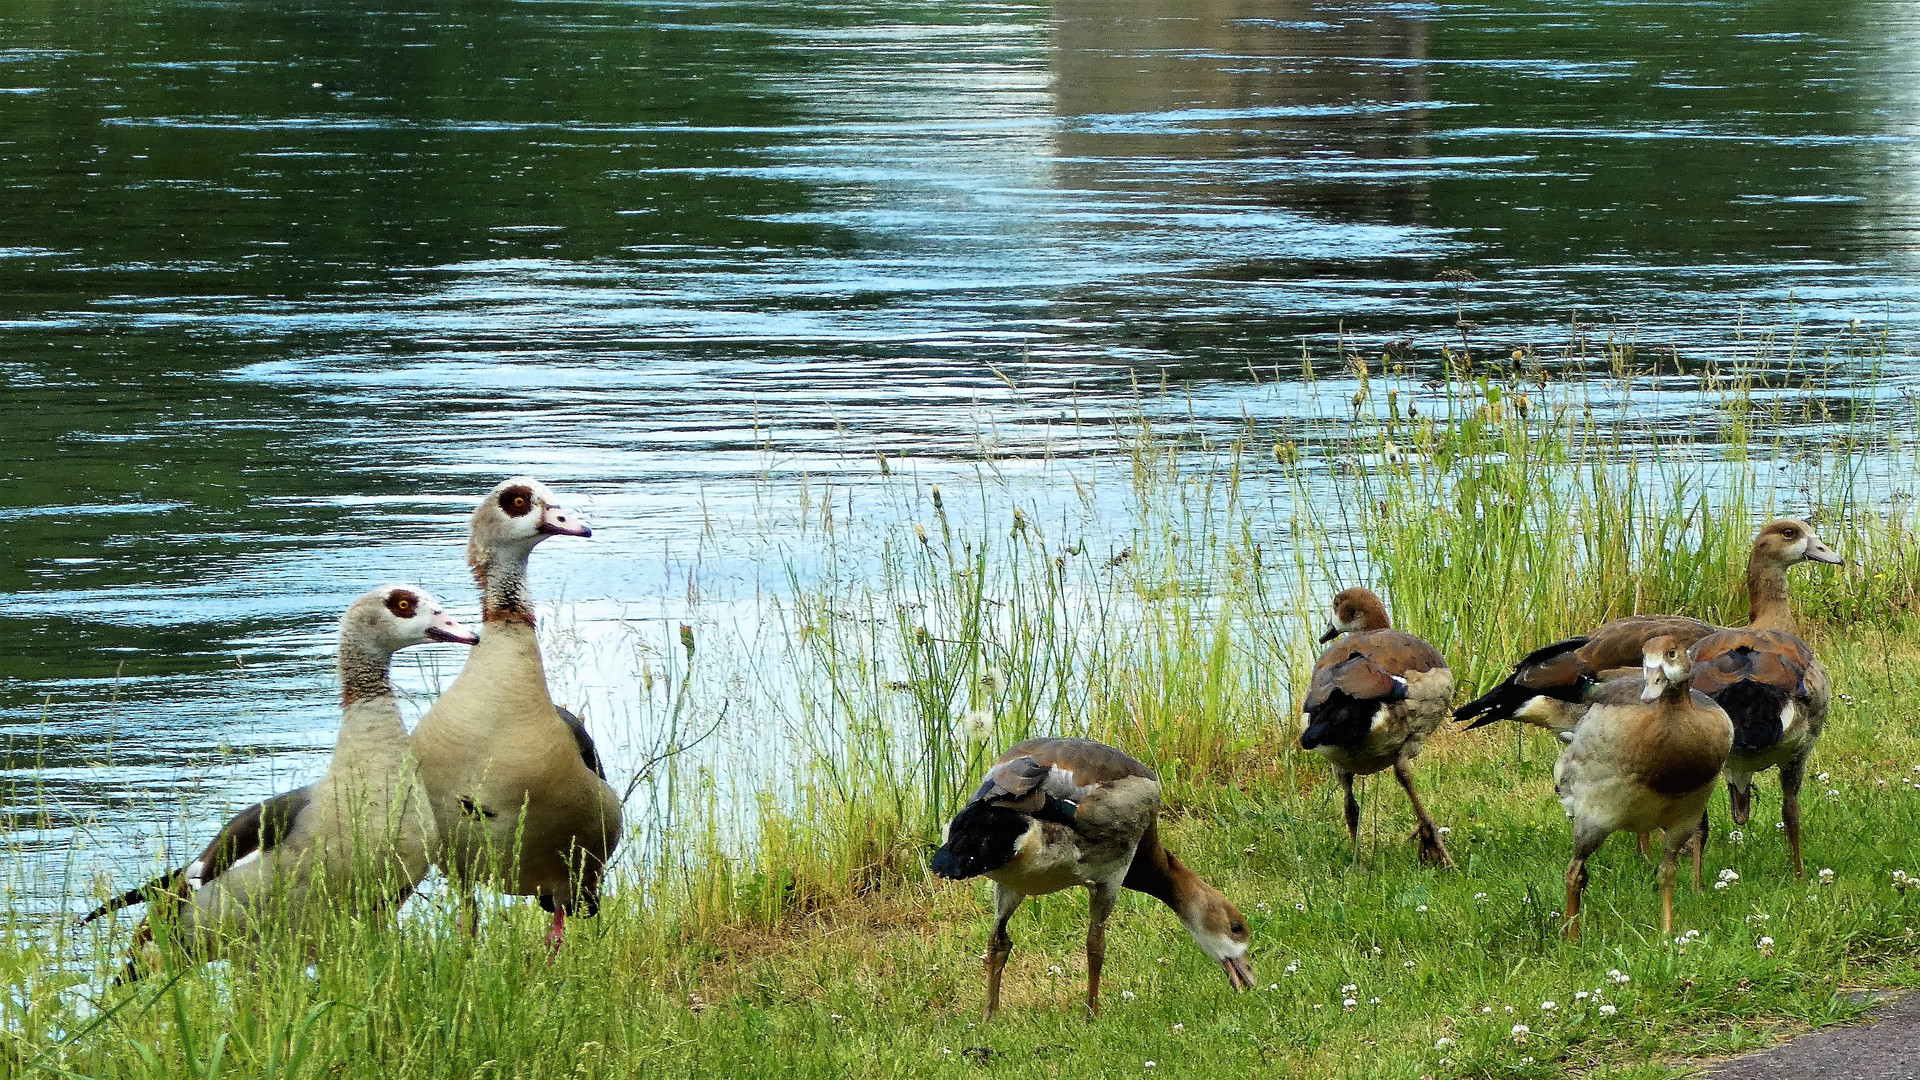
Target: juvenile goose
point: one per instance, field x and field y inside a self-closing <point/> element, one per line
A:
<point x="1549" y="686"/>
<point x="1643" y="758"/>
<point x="515" y="784"/>
<point x="1058" y="813"/>
<point x="1375" y="697"/>
<point x="358" y="836"/>
<point x="1768" y="680"/>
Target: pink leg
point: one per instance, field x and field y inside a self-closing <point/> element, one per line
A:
<point x="557" y="935"/>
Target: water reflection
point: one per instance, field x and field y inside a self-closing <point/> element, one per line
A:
<point x="282" y="287"/>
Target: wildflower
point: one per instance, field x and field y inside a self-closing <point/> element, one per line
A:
<point x="1826" y="875"/>
<point x="992" y="681"/>
<point x="1179" y="1028"/>
<point x="1291" y="968"/>
<point x="1609" y="1010"/>
<point x="1691" y="934"/>
<point x="1486" y="1010"/>
<point x="1901" y="880"/>
<point x="1299" y="907"/>
<point x="1824" y="777"/>
<point x="1729" y="876"/>
<point x="1422" y="907"/>
<point x="1126" y="995"/>
<point x="1056" y="971"/>
<point x="1350" y="988"/>
<point x="1548" y="1006"/>
<point x="1619" y="978"/>
<point x="1317" y="1008"/>
<point x="1779" y="824"/>
<point x="1348" y="1003"/>
<point x="1442" y="1043"/>
<point x="1720" y="886"/>
<point x="1445" y="830"/>
<point x="1149" y="1065"/>
<point x="1520" y="1032"/>
<point x="1273" y="986"/>
<point x="1376" y="950"/>
<point x="835" y="1017"/>
<point x="1408" y="965"/>
<point x="1580" y="995"/>
<point x="1479" y="898"/>
<point x="1506" y="1008"/>
<point x="1766" y="946"/>
<point x="1736" y="836"/>
<point x="977" y="725"/>
<point x="1833" y="793"/>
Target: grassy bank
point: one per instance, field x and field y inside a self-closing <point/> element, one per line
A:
<point x="1165" y="599"/>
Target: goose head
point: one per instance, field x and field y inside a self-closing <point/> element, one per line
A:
<point x="1664" y="662"/>
<point x="517" y="514"/>
<point x="1788" y="541"/>
<point x="392" y="617"/>
<point x="1220" y="931"/>
<point x="1356" y="611"/>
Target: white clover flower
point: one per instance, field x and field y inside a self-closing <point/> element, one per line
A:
<point x="1444" y="830"/>
<point x="1179" y="1027"/>
<point x="1486" y="1010"/>
<point x="1736" y="836"/>
<point x="1408" y="965"/>
<point x="1056" y="971"/>
<point x="1620" y="978"/>
<point x="1273" y="986"/>
<point x="1833" y="793"/>
<point x="1693" y="934"/>
<point x="1520" y="1032"/>
<point x="1729" y="875"/>
<point x="1291" y="968"/>
<point x="1349" y="1003"/>
<point x="1609" y="1010"/>
<point x="1317" y="1008"/>
<point x="1126" y="995"/>
<point x="1826" y="875"/>
<point x="1442" y="1043"/>
<point x="1779" y="824"/>
<point x="1548" y="1006"/>
<point x="1299" y="907"/>
<point x="1147" y="1065"/>
<point x="1422" y="907"/>
<point x="1901" y="880"/>
<point x="1824" y="777"/>
<point x="1349" y="988"/>
<point x="1373" y="1001"/>
<point x="1720" y="886"/>
<point x="1506" y="1008"/>
<point x="1766" y="943"/>
<point x="1479" y="898"/>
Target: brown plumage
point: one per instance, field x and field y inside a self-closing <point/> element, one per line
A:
<point x="1643" y="758"/>
<point x="1549" y="686"/>
<point x="1056" y="814"/>
<point x="1376" y="695"/>
<point x="1768" y="680"/>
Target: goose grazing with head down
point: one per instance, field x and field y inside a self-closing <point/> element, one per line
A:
<point x="1058" y="813"/>
<point x="1768" y="680"/>
<point x="1549" y="686"/>
<point x="1375" y="697"/>
<point x="1644" y="757"/>
<point x="515" y="784"/>
<point x="359" y="836"/>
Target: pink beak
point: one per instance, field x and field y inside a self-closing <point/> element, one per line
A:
<point x="559" y="521"/>
<point x="444" y="628"/>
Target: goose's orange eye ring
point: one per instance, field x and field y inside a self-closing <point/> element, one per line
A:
<point x="516" y="501"/>
<point x="403" y="604"/>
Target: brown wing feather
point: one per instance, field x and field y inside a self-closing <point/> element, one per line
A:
<point x="259" y="827"/>
<point x="1395" y="652"/>
<point x="1619" y="643"/>
<point x="1090" y="762"/>
<point x="1775" y="657"/>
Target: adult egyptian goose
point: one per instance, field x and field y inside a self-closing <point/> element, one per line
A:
<point x="1375" y="697"/>
<point x="515" y="784"/>
<point x="1768" y="680"/>
<point x="1548" y="687"/>
<point x="1058" y="813"/>
<point x="1644" y="757"/>
<point x="358" y="837"/>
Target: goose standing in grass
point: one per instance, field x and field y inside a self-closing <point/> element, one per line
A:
<point x="1058" y="813"/>
<point x="515" y="784"/>
<point x="359" y="836"/>
<point x="1375" y="697"/>
<point x="1549" y="687"/>
<point x="1644" y="757"/>
<point x="1768" y="680"/>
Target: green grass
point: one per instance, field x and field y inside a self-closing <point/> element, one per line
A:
<point x="784" y="923"/>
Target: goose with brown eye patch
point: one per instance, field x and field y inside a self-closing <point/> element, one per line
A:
<point x="1644" y="757"/>
<point x="1056" y="814"/>
<point x="516" y="785"/>
<point x="1548" y="687"/>
<point x="1376" y="695"/>
<point x="357" y="838"/>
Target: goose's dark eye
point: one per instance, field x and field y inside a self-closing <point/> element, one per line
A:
<point x="401" y="604"/>
<point x="1237" y="928"/>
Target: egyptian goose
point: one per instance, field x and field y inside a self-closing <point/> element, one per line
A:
<point x="1643" y="757"/>
<point x="515" y="784"/>
<point x="1058" y="813"/>
<point x="1768" y="680"/>
<point x="358" y="836"/>
<point x="1375" y="697"/>
<point x="1548" y="686"/>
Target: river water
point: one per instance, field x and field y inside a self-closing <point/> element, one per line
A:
<point x="283" y="288"/>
